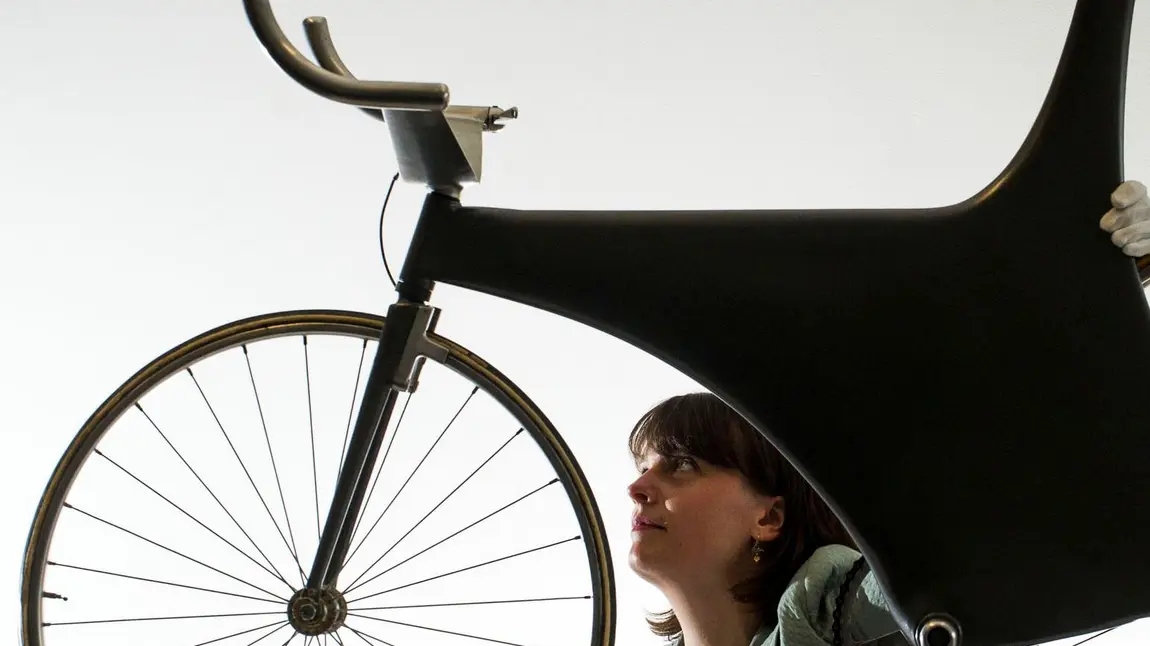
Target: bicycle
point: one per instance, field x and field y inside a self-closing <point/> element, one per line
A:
<point x="797" y="319"/>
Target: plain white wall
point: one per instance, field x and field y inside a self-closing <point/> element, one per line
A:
<point x="160" y="176"/>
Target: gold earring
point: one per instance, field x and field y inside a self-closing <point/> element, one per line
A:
<point x="756" y="551"/>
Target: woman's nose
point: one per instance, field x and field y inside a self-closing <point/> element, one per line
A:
<point x="641" y="491"/>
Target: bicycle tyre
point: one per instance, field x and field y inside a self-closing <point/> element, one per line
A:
<point x="267" y="326"/>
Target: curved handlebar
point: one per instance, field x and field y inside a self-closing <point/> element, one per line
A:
<point x="337" y="86"/>
<point x="319" y="38"/>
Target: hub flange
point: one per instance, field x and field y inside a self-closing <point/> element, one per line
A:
<point x="316" y="612"/>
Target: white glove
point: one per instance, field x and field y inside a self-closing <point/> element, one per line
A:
<point x="1129" y="221"/>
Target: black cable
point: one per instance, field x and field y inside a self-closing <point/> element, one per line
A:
<point x="382" y="251"/>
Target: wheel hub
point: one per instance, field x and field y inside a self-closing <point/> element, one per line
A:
<point x="316" y="612"/>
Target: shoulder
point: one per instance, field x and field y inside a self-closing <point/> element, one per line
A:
<point x="812" y="591"/>
<point x="806" y="609"/>
<point x="826" y="565"/>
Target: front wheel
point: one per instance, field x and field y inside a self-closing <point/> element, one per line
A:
<point x="187" y="509"/>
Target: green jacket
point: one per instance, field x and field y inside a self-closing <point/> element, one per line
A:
<point x="806" y="610"/>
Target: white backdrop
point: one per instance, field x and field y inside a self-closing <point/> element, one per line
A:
<point x="160" y="176"/>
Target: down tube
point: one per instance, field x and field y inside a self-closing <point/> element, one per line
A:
<point x="644" y="276"/>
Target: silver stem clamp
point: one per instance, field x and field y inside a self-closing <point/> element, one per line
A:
<point x="437" y="144"/>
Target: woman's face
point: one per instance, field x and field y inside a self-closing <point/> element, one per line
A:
<point x="694" y="522"/>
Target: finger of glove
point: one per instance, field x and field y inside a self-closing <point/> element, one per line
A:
<point x="1137" y="249"/>
<point x="1127" y="194"/>
<point x="1133" y="234"/>
<point x="1117" y="219"/>
<point x="1114" y="220"/>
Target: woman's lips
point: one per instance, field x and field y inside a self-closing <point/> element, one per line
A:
<point x="642" y="523"/>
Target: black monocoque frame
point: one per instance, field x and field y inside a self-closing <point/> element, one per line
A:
<point x="965" y="385"/>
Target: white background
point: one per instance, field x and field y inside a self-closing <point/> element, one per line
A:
<point x="159" y="176"/>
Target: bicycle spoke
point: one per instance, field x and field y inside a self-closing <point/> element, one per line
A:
<point x="465" y="569"/>
<point x="453" y="535"/>
<point x="158" y="582"/>
<point x="437" y="630"/>
<point x="351" y="408"/>
<point x="168" y="549"/>
<point x="245" y="468"/>
<point x="242" y="632"/>
<point x="379" y="469"/>
<point x="1099" y="634"/>
<point x="272" y="457"/>
<point x="268" y="634"/>
<point x="117" y="621"/>
<point x="337" y="638"/>
<point x="211" y="493"/>
<point x="311" y="428"/>
<point x="364" y="636"/>
<point x="433" y="509"/>
<point x="412" y="474"/>
<point x="193" y="518"/>
<point x="356" y="633"/>
<point x="454" y="604"/>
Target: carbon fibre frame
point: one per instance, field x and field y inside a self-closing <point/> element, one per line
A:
<point x="966" y="395"/>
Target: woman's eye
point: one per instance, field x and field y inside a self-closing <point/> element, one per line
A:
<point x="684" y="464"/>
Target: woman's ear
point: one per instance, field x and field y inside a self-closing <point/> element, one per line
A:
<point x="770" y="522"/>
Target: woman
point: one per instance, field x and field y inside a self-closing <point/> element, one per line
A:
<point x="741" y="546"/>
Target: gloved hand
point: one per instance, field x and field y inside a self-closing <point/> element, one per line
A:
<point x="1129" y="221"/>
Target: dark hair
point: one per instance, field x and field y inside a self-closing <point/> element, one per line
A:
<point x="702" y="426"/>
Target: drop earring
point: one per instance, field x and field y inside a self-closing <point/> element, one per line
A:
<point x="756" y="551"/>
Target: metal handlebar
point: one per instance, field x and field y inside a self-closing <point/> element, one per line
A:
<point x="319" y="39"/>
<point x="336" y="83"/>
